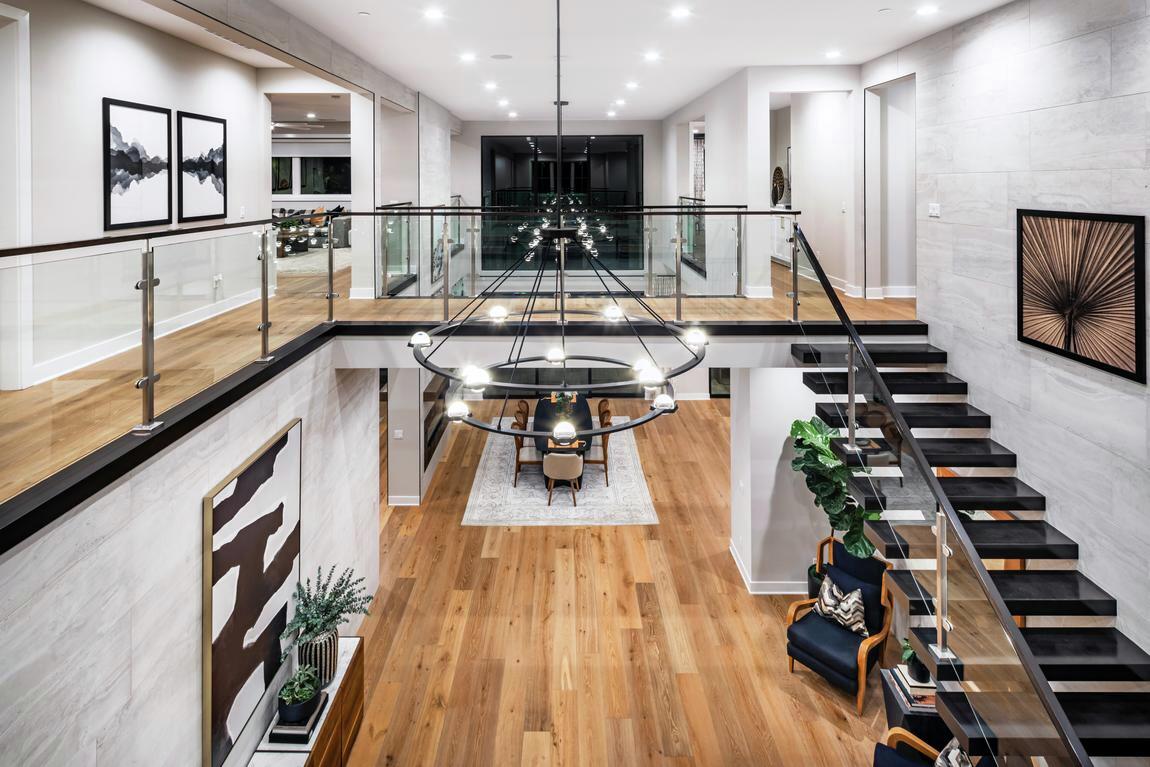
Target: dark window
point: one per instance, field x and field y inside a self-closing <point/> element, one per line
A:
<point x="325" y="175"/>
<point x="281" y="175"/>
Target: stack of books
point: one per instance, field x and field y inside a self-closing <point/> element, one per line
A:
<point x="297" y="733"/>
<point x="916" y="695"/>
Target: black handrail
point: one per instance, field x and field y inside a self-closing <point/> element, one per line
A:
<point x="115" y="239"/>
<point x="1005" y="619"/>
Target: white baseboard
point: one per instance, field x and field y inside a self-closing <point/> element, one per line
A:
<point x="891" y="291"/>
<point x="356" y="294"/>
<point x="766" y="587"/>
<point x="110" y="347"/>
<point x="403" y="500"/>
<point x="758" y="291"/>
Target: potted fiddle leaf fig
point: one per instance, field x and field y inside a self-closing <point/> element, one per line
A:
<point x="828" y="478"/>
<point x="299" y="696"/>
<point x="319" y="610"/>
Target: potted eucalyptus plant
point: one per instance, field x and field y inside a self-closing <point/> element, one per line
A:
<point x="828" y="479"/>
<point x="299" y="696"/>
<point x="319" y="610"/>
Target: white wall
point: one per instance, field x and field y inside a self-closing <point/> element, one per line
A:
<point x="1040" y="104"/>
<point x="81" y="54"/>
<point x="894" y="165"/>
<point x="101" y="611"/>
<point x="466" y="162"/>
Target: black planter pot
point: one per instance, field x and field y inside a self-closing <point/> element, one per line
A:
<point x="298" y="713"/>
<point x="814" y="581"/>
<point x="918" y="670"/>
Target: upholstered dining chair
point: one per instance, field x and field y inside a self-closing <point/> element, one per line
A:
<point x="604" y="440"/>
<point x="524" y="410"/>
<point x="559" y="467"/>
<point x="903" y="749"/>
<point x="831" y="650"/>
<point x="521" y="443"/>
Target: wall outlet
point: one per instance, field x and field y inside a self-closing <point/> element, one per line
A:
<point x="934" y="210"/>
<point x="243" y="211"/>
<point x="397" y="433"/>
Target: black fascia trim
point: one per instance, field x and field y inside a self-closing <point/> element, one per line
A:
<point x="34" y="509"/>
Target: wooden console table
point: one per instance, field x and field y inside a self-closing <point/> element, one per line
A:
<point x="334" y="735"/>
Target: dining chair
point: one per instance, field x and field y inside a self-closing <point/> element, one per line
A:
<point x="605" y="439"/>
<point x="520" y="443"/>
<point x="562" y="467"/>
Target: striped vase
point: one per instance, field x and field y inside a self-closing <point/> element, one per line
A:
<point x="322" y="653"/>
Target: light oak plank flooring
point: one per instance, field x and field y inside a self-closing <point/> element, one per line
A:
<point x="634" y="645"/>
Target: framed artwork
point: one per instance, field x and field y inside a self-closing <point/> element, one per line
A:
<point x="137" y="163"/>
<point x="1081" y="288"/>
<point x="202" y="146"/>
<point x="251" y="566"/>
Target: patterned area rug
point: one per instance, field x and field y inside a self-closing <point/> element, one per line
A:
<point x="493" y="501"/>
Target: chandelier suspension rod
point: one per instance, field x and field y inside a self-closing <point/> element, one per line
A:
<point x="528" y="307"/>
<point x="630" y="325"/>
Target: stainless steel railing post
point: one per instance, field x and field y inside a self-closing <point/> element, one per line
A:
<point x="679" y="271"/>
<point x="331" y="295"/>
<point x="794" y="294"/>
<point x="942" y="554"/>
<point x="852" y="424"/>
<point x="146" y="383"/>
<point x="649" y="231"/>
<point x="472" y="231"/>
<point x="265" y="325"/>
<point x="738" y="253"/>
<point x="446" y="244"/>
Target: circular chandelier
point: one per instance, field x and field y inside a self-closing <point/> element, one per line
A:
<point x="545" y="239"/>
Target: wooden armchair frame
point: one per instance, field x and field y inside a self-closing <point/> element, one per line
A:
<point x="519" y="445"/>
<point x="897" y="736"/>
<point x="878" y="639"/>
<point x="604" y="420"/>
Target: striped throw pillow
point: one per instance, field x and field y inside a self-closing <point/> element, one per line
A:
<point x="844" y="609"/>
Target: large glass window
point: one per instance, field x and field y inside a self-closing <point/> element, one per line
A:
<point x="325" y="175"/>
<point x="281" y="175"/>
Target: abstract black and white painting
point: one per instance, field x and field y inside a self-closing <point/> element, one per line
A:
<point x="201" y="145"/>
<point x="251" y="565"/>
<point x="137" y="163"/>
<point x="1081" y="288"/>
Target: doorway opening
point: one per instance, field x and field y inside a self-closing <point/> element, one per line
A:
<point x="890" y="264"/>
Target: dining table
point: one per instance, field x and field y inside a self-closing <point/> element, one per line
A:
<point x="548" y="414"/>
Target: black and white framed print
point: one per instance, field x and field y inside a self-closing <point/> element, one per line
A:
<point x="201" y="145"/>
<point x="1081" y="288"/>
<point x="137" y="164"/>
<point x="251" y="566"/>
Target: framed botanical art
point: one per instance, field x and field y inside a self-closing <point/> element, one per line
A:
<point x="201" y="145"/>
<point x="1081" y="288"/>
<point x="137" y="163"/>
<point x="251" y="565"/>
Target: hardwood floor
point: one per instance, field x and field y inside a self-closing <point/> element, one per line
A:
<point x="591" y="645"/>
<point x="46" y="427"/>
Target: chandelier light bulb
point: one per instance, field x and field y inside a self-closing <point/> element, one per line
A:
<point x="563" y="433"/>
<point x="664" y="402"/>
<point x="555" y="355"/>
<point x="696" y="338"/>
<point x="476" y="379"/>
<point x="613" y="313"/>
<point x="641" y="364"/>
<point x="458" y="410"/>
<point x="497" y="313"/>
<point x="651" y="376"/>
<point x="419" y="340"/>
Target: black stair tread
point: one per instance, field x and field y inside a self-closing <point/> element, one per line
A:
<point x="992" y="539"/>
<point x="913" y="382"/>
<point x="953" y="452"/>
<point x="918" y="415"/>
<point x="835" y="355"/>
<point x="1025" y="592"/>
<point x="1094" y="654"/>
<point x="964" y="493"/>
<point x="1109" y="723"/>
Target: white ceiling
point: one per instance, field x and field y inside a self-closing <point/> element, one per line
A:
<point x="604" y="42"/>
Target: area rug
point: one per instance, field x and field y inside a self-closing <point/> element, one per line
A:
<point x="493" y="501"/>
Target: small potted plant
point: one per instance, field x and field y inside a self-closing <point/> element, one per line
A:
<point x="915" y="667"/>
<point x="319" y="611"/>
<point x="299" y="696"/>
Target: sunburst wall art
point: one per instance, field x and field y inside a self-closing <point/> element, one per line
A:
<point x="1081" y="288"/>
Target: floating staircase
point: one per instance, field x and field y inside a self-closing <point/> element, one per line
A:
<point x="1031" y="563"/>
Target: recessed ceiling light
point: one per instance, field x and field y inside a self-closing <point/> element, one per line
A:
<point x="365" y="13"/>
<point x="885" y="10"/>
<point x="680" y="12"/>
<point x="834" y="54"/>
<point x="592" y="138"/>
<point x="620" y="103"/>
<point x="467" y="57"/>
<point x="927" y="10"/>
<point x="512" y="115"/>
<point x="611" y="113"/>
<point x="490" y="85"/>
<point x="311" y="115"/>
<point x="504" y="102"/>
<point x="694" y="130"/>
<point x="632" y="85"/>
<point x="433" y="14"/>
<point x="652" y="56"/>
<point x="501" y="56"/>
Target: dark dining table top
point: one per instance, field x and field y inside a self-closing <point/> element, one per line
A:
<point x="547" y="415"/>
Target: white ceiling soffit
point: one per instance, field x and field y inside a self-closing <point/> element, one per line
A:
<point x="157" y="18"/>
<point x="604" y="43"/>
